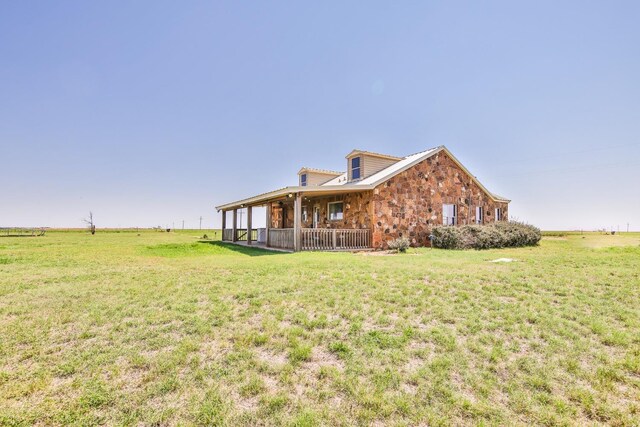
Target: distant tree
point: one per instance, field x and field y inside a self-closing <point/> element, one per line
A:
<point x="89" y="221"/>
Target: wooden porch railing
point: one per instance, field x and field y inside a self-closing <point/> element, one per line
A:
<point x="321" y="239"/>
<point x="241" y="234"/>
<point x="281" y="238"/>
<point x="312" y="239"/>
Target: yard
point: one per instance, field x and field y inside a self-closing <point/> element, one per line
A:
<point x="157" y="328"/>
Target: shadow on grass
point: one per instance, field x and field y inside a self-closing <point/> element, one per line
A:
<point x="241" y="249"/>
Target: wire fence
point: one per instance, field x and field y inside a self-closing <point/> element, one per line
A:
<point x="21" y="232"/>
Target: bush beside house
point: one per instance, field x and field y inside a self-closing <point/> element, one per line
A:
<point x="401" y="244"/>
<point x="496" y="235"/>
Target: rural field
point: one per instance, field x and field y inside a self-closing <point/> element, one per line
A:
<point x="156" y="328"/>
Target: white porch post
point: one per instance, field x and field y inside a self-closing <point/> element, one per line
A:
<point x="234" y="238"/>
<point x="249" y="212"/>
<point x="266" y="238"/>
<point x="297" y="222"/>
<point x="224" y="223"/>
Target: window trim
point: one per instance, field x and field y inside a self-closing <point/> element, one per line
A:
<point x="454" y="217"/>
<point x="498" y="214"/>
<point x="359" y="168"/>
<point x="340" y="202"/>
<point x="303" y="180"/>
<point x="479" y="218"/>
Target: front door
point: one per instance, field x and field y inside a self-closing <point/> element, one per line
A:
<point x="278" y="218"/>
<point x="316" y="216"/>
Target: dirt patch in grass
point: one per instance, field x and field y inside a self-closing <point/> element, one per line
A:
<point x="377" y="253"/>
<point x="322" y="358"/>
<point x="271" y="358"/>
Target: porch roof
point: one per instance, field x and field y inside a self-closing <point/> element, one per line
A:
<point x="321" y="190"/>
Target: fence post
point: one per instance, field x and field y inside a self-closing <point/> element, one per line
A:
<point x="334" y="237"/>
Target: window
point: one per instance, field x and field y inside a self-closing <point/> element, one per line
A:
<point x="303" y="180"/>
<point x="355" y="168"/>
<point x="498" y="214"/>
<point x="479" y="214"/>
<point x="305" y="214"/>
<point x="449" y="214"/>
<point x="335" y="211"/>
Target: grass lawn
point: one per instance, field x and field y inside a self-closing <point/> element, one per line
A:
<point x="163" y="329"/>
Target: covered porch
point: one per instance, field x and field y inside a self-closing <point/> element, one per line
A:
<point x="313" y="220"/>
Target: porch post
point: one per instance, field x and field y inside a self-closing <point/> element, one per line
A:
<point x="266" y="237"/>
<point x="249" y="211"/>
<point x="297" y="222"/>
<point x="224" y="223"/>
<point x="234" y="238"/>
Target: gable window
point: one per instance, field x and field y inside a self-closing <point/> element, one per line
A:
<point x="479" y="214"/>
<point x="355" y="168"/>
<point x="498" y="214"/>
<point x="449" y="214"/>
<point x="303" y="180"/>
<point x="335" y="210"/>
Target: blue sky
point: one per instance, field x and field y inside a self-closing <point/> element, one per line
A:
<point x="150" y="113"/>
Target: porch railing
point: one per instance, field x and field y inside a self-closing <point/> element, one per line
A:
<point x="322" y="239"/>
<point x="311" y="239"/>
<point x="281" y="238"/>
<point x="241" y="234"/>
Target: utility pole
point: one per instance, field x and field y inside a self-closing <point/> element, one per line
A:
<point x="200" y="222"/>
<point x="183" y="224"/>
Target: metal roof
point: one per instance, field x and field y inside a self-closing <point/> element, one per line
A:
<point x="321" y="171"/>
<point x="341" y="184"/>
<point x="371" y="153"/>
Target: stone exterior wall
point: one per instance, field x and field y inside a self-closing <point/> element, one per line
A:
<point x="357" y="211"/>
<point x="410" y="203"/>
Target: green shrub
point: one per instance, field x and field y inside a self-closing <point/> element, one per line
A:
<point x="401" y="244"/>
<point x="445" y="237"/>
<point x="496" y="235"/>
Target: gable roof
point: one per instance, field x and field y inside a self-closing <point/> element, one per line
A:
<point x="320" y="171"/>
<point x="340" y="184"/>
<point x="406" y="163"/>
<point x="338" y="180"/>
<point x="372" y="154"/>
<point x="397" y="167"/>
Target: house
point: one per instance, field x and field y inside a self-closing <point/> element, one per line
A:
<point x="379" y="198"/>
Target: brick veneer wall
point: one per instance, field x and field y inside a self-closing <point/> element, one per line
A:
<point x="410" y="203"/>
